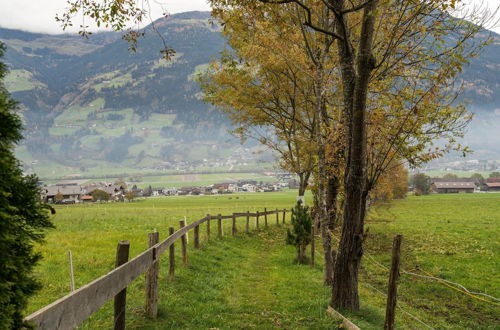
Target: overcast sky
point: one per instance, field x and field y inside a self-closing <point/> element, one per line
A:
<point x="38" y="15"/>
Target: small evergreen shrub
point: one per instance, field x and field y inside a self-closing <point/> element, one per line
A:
<point x="300" y="235"/>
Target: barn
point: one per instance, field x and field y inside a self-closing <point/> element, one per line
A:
<point x="493" y="186"/>
<point x="453" y="187"/>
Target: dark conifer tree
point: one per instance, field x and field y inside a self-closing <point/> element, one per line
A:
<point x="23" y="217"/>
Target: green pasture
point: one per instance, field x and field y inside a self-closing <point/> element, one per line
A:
<point x="21" y="80"/>
<point x="454" y="237"/>
<point x="179" y="180"/>
<point x="460" y="174"/>
<point x="252" y="280"/>
<point x="117" y="80"/>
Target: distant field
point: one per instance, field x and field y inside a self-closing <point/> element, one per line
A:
<point x="21" y="80"/>
<point x="183" y="180"/>
<point x="460" y="174"/>
<point x="200" y="179"/>
<point x="252" y="281"/>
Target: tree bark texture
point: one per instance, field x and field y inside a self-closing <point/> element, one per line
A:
<point x="356" y="77"/>
<point x="303" y="182"/>
<point x="325" y="225"/>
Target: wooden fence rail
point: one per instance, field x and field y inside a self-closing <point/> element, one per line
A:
<point x="73" y="309"/>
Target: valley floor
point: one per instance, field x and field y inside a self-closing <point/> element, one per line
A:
<point x="251" y="281"/>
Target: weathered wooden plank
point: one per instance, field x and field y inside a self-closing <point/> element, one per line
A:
<point x="74" y="308"/>
<point x="345" y="322"/>
<point x="226" y="217"/>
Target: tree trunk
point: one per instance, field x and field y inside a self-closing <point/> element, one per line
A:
<point x="332" y="192"/>
<point x="345" y="282"/>
<point x="326" y="235"/>
<point x="303" y="183"/>
<point x="327" y="228"/>
<point x="301" y="254"/>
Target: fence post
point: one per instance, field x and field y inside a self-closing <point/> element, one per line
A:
<point x="71" y="275"/>
<point x="257" y="220"/>
<point x="122" y="251"/>
<point x="208" y="227"/>
<point x="197" y="236"/>
<point x="233" y="229"/>
<point x="171" y="256"/>
<point x="187" y="233"/>
<point x="284" y="214"/>
<point x="152" y="279"/>
<point x="390" y="311"/>
<point x="265" y="216"/>
<point x="182" y="224"/>
<point x="219" y="225"/>
<point x="247" y="226"/>
<point x="277" y="218"/>
<point x="313" y="246"/>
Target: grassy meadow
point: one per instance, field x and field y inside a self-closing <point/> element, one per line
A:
<point x="252" y="280"/>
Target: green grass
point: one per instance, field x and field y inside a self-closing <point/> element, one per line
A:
<point x="180" y="180"/>
<point x="460" y="174"/>
<point x="21" y="80"/>
<point x="118" y="80"/>
<point x="454" y="237"/>
<point x="246" y="281"/>
<point x="252" y="281"/>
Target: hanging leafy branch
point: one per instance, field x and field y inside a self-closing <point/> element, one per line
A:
<point x="118" y="15"/>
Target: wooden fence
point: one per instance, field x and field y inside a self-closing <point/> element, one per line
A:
<point x="74" y="308"/>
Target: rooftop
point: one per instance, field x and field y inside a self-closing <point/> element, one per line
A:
<point x="455" y="185"/>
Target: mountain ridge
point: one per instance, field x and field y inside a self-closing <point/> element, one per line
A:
<point x="91" y="103"/>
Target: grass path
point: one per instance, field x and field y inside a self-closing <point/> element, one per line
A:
<point x="247" y="282"/>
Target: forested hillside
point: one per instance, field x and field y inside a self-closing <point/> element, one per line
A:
<point x="91" y="103"/>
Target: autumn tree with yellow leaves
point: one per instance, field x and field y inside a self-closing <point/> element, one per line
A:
<point x="376" y="86"/>
<point x="394" y="62"/>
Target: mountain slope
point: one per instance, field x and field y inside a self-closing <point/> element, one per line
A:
<point x="92" y="105"/>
